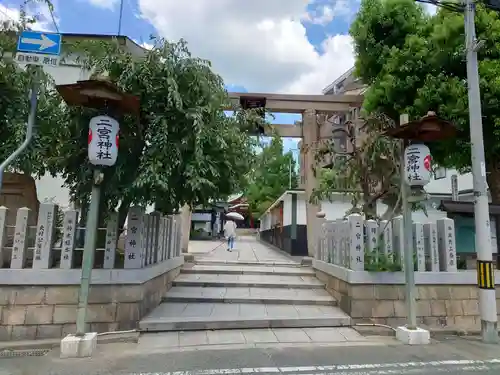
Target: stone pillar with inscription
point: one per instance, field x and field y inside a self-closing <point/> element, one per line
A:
<point x="431" y="247"/>
<point x="3" y="232"/>
<point x="334" y="242"/>
<point x="20" y="245"/>
<point x="319" y="234"/>
<point x="42" y="255"/>
<point x="419" y="245"/>
<point x="343" y="231"/>
<point x="372" y="237"/>
<point x="169" y="236"/>
<point x="399" y="240"/>
<point x="133" y="239"/>
<point x="111" y="239"/>
<point x="357" y="243"/>
<point x="161" y="239"/>
<point x="386" y="235"/>
<point x="446" y="245"/>
<point x="144" y="240"/>
<point x="329" y="233"/>
<point x="70" y="226"/>
<point x="156" y="237"/>
<point x="148" y="221"/>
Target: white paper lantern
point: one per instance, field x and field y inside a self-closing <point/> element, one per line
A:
<point x="417" y="165"/>
<point x="103" y="140"/>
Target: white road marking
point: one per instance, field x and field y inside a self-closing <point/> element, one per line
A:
<point x="403" y="368"/>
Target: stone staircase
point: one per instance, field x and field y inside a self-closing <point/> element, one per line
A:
<point x="222" y="294"/>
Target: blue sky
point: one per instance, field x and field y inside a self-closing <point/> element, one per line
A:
<point x="321" y="22"/>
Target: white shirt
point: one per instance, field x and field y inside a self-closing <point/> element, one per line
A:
<point x="230" y="228"/>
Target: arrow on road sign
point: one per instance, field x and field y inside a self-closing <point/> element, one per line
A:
<point x="43" y="43"/>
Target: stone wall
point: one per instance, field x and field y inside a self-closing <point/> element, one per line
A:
<point x="49" y="311"/>
<point x="446" y="306"/>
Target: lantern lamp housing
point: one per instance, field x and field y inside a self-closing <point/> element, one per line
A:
<point x="429" y="128"/>
<point x="99" y="94"/>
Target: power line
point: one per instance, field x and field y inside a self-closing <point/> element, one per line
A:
<point x="53" y="19"/>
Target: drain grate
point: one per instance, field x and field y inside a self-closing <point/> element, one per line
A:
<point x="24" y="353"/>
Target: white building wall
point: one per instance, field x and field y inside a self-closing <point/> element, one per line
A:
<point x="287" y="210"/>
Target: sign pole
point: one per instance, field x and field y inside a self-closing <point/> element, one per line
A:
<point x="410" y="288"/>
<point x="29" y="127"/>
<point x="88" y="253"/>
<point x="486" y="274"/>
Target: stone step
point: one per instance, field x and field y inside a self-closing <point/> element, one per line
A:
<point x="173" y="316"/>
<point x="263" y="263"/>
<point x="279" y="296"/>
<point x="248" y="281"/>
<point x="248" y="270"/>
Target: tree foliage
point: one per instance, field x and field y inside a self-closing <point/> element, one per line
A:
<point x="181" y="149"/>
<point x="367" y="170"/>
<point x="270" y="176"/>
<point x="15" y="85"/>
<point x="414" y="62"/>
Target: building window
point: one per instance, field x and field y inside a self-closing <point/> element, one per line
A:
<point x="439" y="173"/>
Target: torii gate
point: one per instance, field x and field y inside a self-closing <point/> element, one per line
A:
<point x="312" y="129"/>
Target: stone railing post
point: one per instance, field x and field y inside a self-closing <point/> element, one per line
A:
<point x="155" y="231"/>
<point x="134" y="238"/>
<point x="3" y="231"/>
<point x="42" y="255"/>
<point x="162" y="238"/>
<point x="318" y="233"/>
<point x="111" y="239"/>
<point x="431" y="247"/>
<point x="372" y="237"/>
<point x="419" y="245"/>
<point x="169" y="237"/>
<point x="399" y="240"/>
<point x="20" y="245"/>
<point x="447" y="245"/>
<point x="70" y="225"/>
<point x="386" y="235"/>
<point x="356" y="242"/>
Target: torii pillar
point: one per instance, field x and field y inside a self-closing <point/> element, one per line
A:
<point x="309" y="146"/>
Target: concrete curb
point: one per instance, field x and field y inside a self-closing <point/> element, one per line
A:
<point x="247" y="284"/>
<point x="318" y="301"/>
<point x="221" y="271"/>
<point x="205" y="262"/>
<point x="111" y="338"/>
<point x="186" y="324"/>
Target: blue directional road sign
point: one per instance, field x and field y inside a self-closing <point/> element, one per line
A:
<point x="40" y="43"/>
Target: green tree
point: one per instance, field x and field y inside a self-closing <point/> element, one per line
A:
<point x="270" y="175"/>
<point x="367" y="170"/>
<point x="15" y="85"/>
<point x="181" y="149"/>
<point x="417" y="64"/>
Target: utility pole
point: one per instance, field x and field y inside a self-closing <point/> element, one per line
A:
<point x="485" y="270"/>
<point x="290" y="175"/>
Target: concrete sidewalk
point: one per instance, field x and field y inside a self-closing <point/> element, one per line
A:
<point x="257" y="338"/>
<point x="247" y="249"/>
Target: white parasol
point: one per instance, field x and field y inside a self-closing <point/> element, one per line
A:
<point x="235" y="216"/>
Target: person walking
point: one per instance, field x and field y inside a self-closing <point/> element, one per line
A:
<point x="230" y="233"/>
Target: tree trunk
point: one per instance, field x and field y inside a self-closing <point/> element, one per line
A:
<point x="493" y="179"/>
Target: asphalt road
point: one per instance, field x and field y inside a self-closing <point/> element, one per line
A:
<point x="457" y="356"/>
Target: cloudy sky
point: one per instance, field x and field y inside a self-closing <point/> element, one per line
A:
<point x="280" y="46"/>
